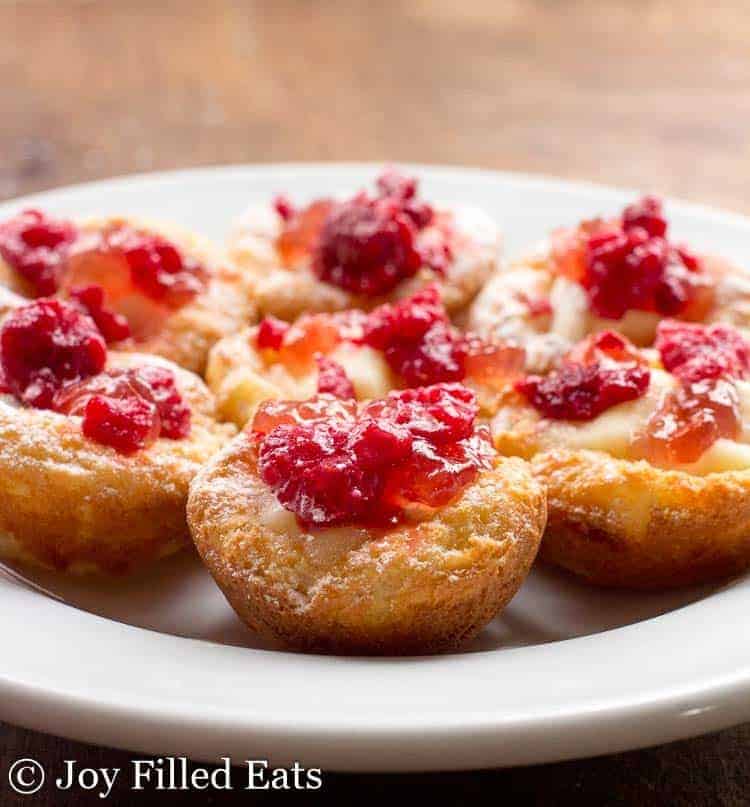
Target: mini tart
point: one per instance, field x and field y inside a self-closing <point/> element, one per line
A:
<point x="70" y="504"/>
<point x="407" y="344"/>
<point x="617" y="521"/>
<point x="535" y="305"/>
<point x="288" y="291"/>
<point x="188" y="332"/>
<point x="416" y="588"/>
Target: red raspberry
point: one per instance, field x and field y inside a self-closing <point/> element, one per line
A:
<point x="417" y="339"/>
<point x="158" y="268"/>
<point x="697" y="352"/>
<point x="689" y="421"/>
<point x="271" y="333"/>
<point x="147" y="394"/>
<point x="367" y="246"/>
<point x="646" y="213"/>
<point x="333" y="380"/>
<point x="125" y="424"/>
<point x="47" y="345"/>
<point x="417" y="446"/>
<point x="599" y="374"/>
<point x="112" y="326"/>
<point x="174" y="412"/>
<point x="35" y="246"/>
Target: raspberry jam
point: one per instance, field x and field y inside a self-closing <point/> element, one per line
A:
<point x="128" y="409"/>
<point x="420" y="344"/>
<point x="113" y="327"/>
<point x="367" y="244"/>
<point x="696" y="352"/>
<point x="271" y="332"/>
<point x="301" y="228"/>
<point x="689" y="421"/>
<point x="53" y="357"/>
<point x="333" y="380"/>
<point x="629" y="264"/>
<point x="46" y="345"/>
<point x="705" y="407"/>
<point x="331" y="464"/>
<point x="602" y="372"/>
<point x="144" y="277"/>
<point x="35" y="246"/>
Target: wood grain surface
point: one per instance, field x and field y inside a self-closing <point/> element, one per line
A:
<point x="647" y="93"/>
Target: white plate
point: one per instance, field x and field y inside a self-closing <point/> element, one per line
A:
<point x="566" y="671"/>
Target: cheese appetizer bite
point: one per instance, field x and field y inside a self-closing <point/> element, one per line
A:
<point x="149" y="288"/>
<point x="391" y="527"/>
<point x="623" y="273"/>
<point x="353" y="354"/>
<point x="358" y="252"/>
<point x="645" y="455"/>
<point x="96" y="449"/>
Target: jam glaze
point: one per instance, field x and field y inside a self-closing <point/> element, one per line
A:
<point x="693" y="414"/>
<point x="52" y="356"/>
<point x="332" y="463"/>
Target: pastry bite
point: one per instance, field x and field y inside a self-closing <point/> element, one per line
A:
<point x="150" y="289"/>
<point x="623" y="273"/>
<point x="356" y="354"/>
<point x="358" y="252"/>
<point x="97" y="448"/>
<point x="645" y="454"/>
<point x="389" y="527"/>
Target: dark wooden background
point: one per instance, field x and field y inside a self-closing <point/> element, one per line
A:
<point x="649" y="93"/>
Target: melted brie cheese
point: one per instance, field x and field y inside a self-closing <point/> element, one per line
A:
<point x="366" y="369"/>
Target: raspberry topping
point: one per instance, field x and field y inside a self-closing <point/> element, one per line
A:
<point x="630" y="264"/>
<point x="420" y="344"/>
<point x="46" y="345"/>
<point x="690" y="420"/>
<point x="705" y="407"/>
<point x="333" y="380"/>
<point x="301" y="229"/>
<point x="334" y="466"/>
<point x="369" y="243"/>
<point x="696" y="352"/>
<point x="603" y="371"/>
<point x="52" y="357"/>
<point x="271" y="333"/>
<point x="367" y="246"/>
<point x="647" y="214"/>
<point x="128" y="409"/>
<point x="35" y="246"/>
<point x="144" y="277"/>
<point x="112" y="326"/>
<point x="174" y="412"/>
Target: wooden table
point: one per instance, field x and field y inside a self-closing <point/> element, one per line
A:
<point x="647" y="94"/>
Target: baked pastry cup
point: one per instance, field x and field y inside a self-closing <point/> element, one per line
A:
<point x="425" y="581"/>
<point x="77" y="494"/>
<point x="622" y="274"/>
<point x="152" y="288"/>
<point x="650" y="493"/>
<point x="329" y="256"/>
<point x="410" y="343"/>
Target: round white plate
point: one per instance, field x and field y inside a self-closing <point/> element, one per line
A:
<point x="162" y="665"/>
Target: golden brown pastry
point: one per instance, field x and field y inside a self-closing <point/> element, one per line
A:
<point x="391" y="527"/>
